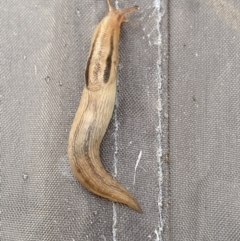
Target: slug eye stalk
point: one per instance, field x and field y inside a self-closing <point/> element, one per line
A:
<point x="95" y="111"/>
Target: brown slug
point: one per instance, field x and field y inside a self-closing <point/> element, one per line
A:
<point x="95" y="111"/>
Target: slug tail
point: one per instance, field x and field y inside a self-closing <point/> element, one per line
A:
<point x="95" y="178"/>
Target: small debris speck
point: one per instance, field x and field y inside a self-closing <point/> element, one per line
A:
<point x="25" y="176"/>
<point x="78" y="12"/>
<point x="47" y="79"/>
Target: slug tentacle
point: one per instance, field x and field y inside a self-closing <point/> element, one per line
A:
<point x="111" y="8"/>
<point x="95" y="111"/>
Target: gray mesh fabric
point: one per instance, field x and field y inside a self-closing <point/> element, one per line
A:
<point x="44" y="47"/>
<point x="204" y="120"/>
<point x="178" y="94"/>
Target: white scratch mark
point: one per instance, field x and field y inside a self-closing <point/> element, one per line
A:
<point x="114" y="227"/>
<point x="137" y="162"/>
<point x="116" y="125"/>
<point x="158" y="231"/>
<point x="157" y="235"/>
<point x="35" y="69"/>
<point x="116" y="4"/>
<point x="156" y="4"/>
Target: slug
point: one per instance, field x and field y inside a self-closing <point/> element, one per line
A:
<point x="95" y="111"/>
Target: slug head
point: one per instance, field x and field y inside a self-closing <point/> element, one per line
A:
<point x="120" y="13"/>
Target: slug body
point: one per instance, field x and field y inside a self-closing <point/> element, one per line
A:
<point x="95" y="111"/>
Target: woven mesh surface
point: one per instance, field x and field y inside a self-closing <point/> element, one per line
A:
<point x="44" y="47"/>
<point x="204" y="114"/>
<point x="43" y="52"/>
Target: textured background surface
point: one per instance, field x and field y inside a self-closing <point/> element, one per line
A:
<point x="43" y="51"/>
<point x="44" y="47"/>
<point x="204" y="119"/>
